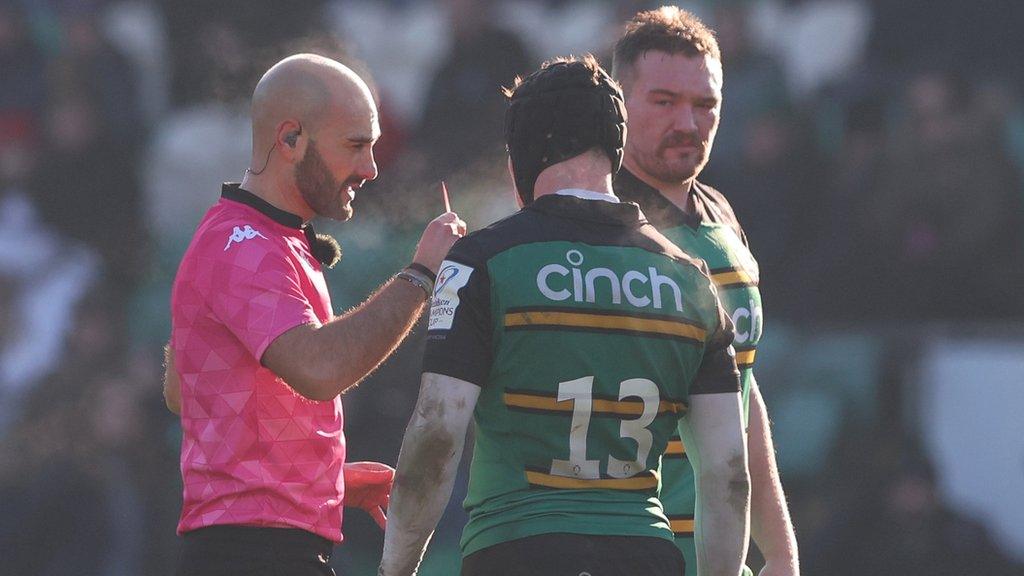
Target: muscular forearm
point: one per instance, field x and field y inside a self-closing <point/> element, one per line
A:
<point x="770" y="523"/>
<point x="364" y="337"/>
<point x="721" y="520"/>
<point x="717" y="446"/>
<point x="322" y="362"/>
<point x="426" y="471"/>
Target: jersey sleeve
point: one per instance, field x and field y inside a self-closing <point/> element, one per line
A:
<point x="459" y="329"/>
<point x="718" y="372"/>
<point x="255" y="291"/>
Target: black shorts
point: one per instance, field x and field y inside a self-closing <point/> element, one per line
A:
<point x="252" y="551"/>
<point x="577" y="555"/>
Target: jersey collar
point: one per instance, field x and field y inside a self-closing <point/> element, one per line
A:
<point x="661" y="212"/>
<point x="233" y="191"/>
<point x="577" y="208"/>
<point x="588" y="194"/>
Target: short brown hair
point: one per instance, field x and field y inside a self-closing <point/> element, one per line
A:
<point x="668" y="29"/>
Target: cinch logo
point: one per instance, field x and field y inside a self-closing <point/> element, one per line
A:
<point x="640" y="290"/>
<point x="240" y="234"/>
<point x="751" y="327"/>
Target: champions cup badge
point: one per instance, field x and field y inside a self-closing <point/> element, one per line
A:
<point x="445" y="276"/>
<point x="452" y="277"/>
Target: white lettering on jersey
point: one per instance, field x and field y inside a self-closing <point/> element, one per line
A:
<point x="552" y="281"/>
<point x="751" y="318"/>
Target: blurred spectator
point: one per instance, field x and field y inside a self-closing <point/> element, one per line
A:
<point x="77" y="501"/>
<point x="561" y="27"/>
<point x="754" y="85"/>
<point x="401" y="57"/>
<point x="971" y="38"/>
<point x="197" y="148"/>
<point x="86" y="187"/>
<point x="215" y="46"/>
<point x="946" y="216"/>
<point x="22" y="66"/>
<point x="88" y="65"/>
<point x="818" y="42"/>
<point x="463" y="111"/>
<point x="43" y="274"/>
<point x="893" y="522"/>
<point x="136" y="29"/>
<point x="840" y="250"/>
<point x="772" y="187"/>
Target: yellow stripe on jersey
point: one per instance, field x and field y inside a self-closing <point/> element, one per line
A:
<point x="600" y="406"/>
<point x="651" y="326"/>
<point x="644" y="481"/>
<point x="745" y="358"/>
<point x="681" y="526"/>
<point x="733" y="277"/>
<point x="675" y="448"/>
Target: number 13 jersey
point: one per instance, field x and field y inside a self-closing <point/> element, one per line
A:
<point x="587" y="332"/>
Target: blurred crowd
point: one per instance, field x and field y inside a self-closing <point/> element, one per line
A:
<point x="872" y="149"/>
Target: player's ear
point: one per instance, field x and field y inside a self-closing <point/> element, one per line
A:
<point x="512" y="175"/>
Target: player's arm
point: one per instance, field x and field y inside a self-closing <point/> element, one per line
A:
<point x="717" y="447"/>
<point x="172" y="384"/>
<point x="429" y="459"/>
<point x="770" y="524"/>
<point x="322" y="361"/>
<point x="715" y="437"/>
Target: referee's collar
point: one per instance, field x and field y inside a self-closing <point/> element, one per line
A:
<point x="233" y="191"/>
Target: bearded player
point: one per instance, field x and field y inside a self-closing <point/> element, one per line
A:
<point x="670" y="69"/>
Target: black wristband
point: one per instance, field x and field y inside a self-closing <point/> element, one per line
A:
<point x="421" y="268"/>
<point x="413" y="277"/>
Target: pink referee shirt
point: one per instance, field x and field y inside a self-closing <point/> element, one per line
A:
<point x="253" y="452"/>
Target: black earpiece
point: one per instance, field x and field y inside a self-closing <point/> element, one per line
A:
<point x="292" y="137"/>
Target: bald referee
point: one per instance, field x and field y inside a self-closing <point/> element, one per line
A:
<point x="257" y="359"/>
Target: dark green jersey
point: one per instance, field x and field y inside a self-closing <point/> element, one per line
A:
<point x="712" y="234"/>
<point x="588" y="332"/>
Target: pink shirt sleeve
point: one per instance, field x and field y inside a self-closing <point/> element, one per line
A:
<point x="255" y="290"/>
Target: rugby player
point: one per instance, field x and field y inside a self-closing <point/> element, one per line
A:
<point x="579" y="340"/>
<point x="670" y="69"/>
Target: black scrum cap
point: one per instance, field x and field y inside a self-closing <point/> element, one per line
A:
<point x="559" y="112"/>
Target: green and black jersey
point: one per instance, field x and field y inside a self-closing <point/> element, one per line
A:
<point x="587" y="332"/>
<point x="712" y="234"/>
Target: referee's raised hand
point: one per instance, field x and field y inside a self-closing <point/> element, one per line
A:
<point x="437" y="239"/>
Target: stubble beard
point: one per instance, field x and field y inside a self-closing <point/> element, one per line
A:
<point x="318" y="187"/>
<point x="673" y="170"/>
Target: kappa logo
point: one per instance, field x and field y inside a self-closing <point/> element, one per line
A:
<point x="239" y="235"/>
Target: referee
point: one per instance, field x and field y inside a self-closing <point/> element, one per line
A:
<point x="257" y="359"/>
